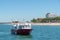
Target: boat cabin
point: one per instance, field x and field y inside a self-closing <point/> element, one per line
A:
<point x="22" y="26"/>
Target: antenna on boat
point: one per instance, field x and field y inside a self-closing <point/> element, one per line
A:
<point x="24" y="20"/>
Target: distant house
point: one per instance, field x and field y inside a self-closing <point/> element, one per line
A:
<point x="39" y="19"/>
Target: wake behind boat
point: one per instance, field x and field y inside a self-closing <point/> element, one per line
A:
<point x="21" y="28"/>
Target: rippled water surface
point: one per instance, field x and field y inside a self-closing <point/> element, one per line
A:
<point x="38" y="33"/>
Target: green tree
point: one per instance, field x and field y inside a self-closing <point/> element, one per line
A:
<point x="33" y="20"/>
<point x="47" y="20"/>
<point x="57" y="18"/>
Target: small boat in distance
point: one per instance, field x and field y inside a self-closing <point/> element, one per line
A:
<point x="21" y="28"/>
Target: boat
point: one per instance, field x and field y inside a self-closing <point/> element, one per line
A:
<point x="21" y="28"/>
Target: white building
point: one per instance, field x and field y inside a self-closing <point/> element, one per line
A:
<point x="51" y="15"/>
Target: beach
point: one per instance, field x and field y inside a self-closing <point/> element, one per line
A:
<point x="45" y="23"/>
<point x="33" y="23"/>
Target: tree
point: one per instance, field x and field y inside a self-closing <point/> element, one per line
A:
<point x="33" y="20"/>
<point x="57" y="18"/>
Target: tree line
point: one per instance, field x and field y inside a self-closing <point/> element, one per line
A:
<point x="46" y="20"/>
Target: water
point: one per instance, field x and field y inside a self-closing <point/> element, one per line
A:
<point x="38" y="33"/>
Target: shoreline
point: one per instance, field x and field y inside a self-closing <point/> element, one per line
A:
<point x="33" y="23"/>
<point x="45" y="23"/>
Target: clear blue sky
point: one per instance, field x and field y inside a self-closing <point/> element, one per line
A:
<point x="27" y="9"/>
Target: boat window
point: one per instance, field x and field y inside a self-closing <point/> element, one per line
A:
<point x="26" y="25"/>
<point x="23" y="26"/>
<point x="20" y="27"/>
<point x="15" y="27"/>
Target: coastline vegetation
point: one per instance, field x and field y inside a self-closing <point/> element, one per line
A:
<point x="46" y="20"/>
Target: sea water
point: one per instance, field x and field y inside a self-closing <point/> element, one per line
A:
<point x="38" y="33"/>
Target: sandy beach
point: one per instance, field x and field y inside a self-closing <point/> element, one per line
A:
<point x="45" y="23"/>
<point x="33" y="23"/>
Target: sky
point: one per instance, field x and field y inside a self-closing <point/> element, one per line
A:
<point x="27" y="9"/>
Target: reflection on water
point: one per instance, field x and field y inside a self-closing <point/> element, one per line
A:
<point x="23" y="37"/>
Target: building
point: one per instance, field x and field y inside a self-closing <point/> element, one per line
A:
<point x="39" y="19"/>
<point x="51" y="15"/>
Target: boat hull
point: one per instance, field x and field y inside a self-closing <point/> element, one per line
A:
<point x="21" y="31"/>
